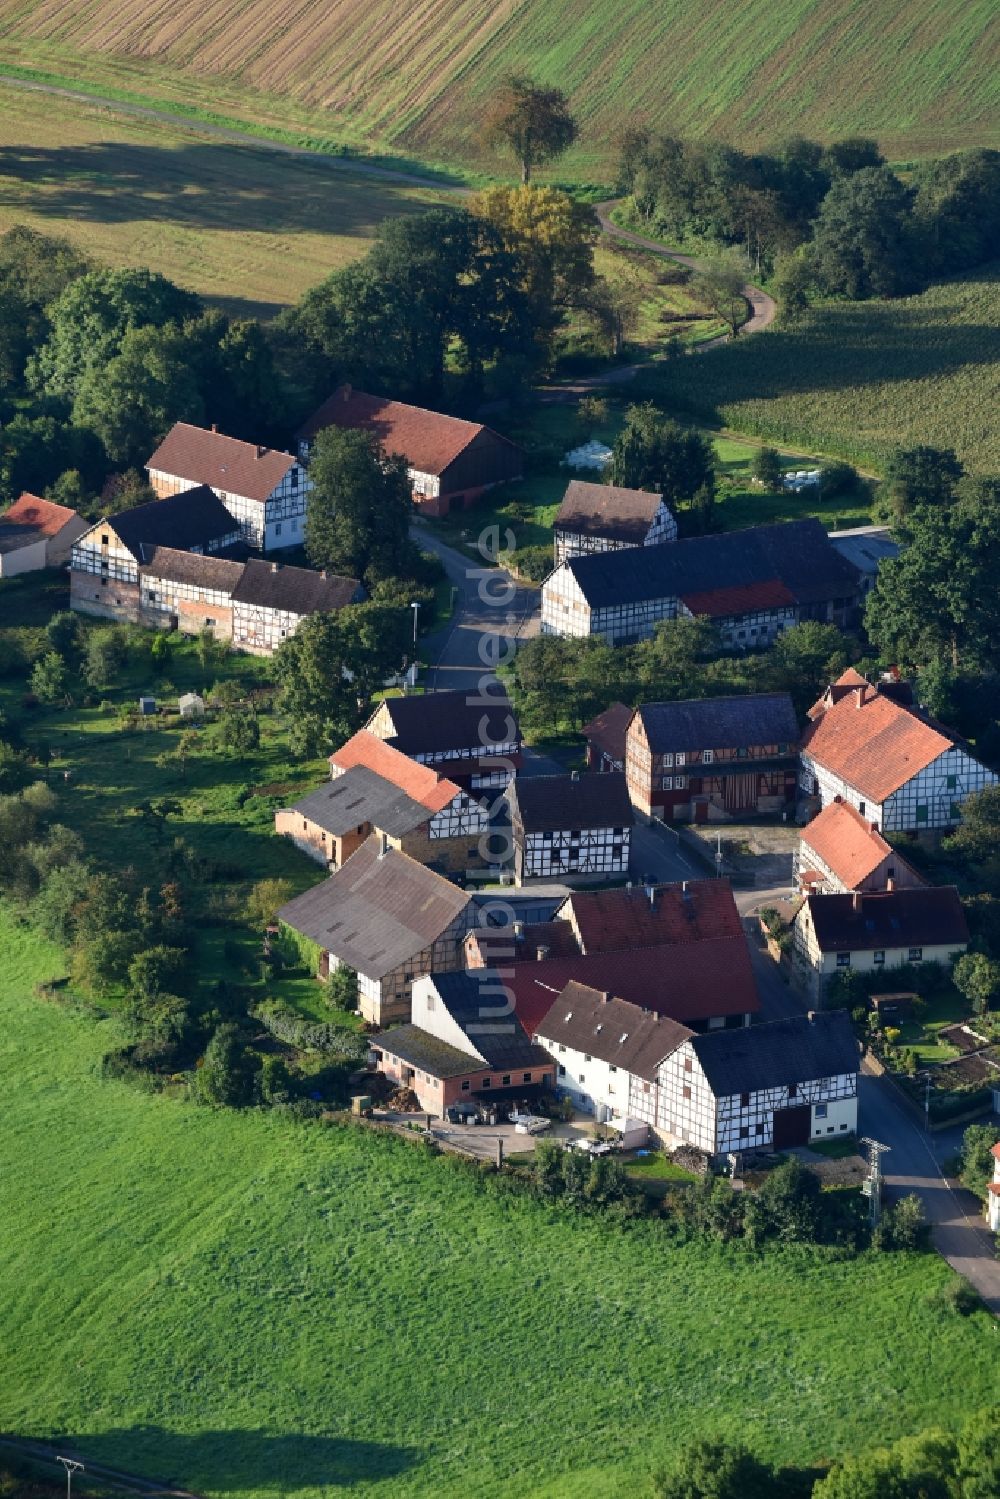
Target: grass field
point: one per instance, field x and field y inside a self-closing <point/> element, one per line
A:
<point x="857" y="379"/>
<point x="252" y="1307"/>
<point x="920" y="75"/>
<point x="247" y="228"/>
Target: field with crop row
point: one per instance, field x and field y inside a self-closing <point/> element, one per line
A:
<point x="245" y="227"/>
<point x="858" y="379"/>
<point x="920" y="74"/>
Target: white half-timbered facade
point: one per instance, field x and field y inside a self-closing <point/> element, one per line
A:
<point x="471" y="737"/>
<point x="606" y="518"/>
<point x="570" y="827"/>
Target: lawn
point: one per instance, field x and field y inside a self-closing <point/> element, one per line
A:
<point x="855" y="380"/>
<point x="253" y="1307"/>
<point x="246" y="228"/>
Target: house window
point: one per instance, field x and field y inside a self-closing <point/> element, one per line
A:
<point x="921" y="811"/>
<point x="793" y="1091"/>
<point x="680" y="782"/>
<point x="587" y="1057"/>
<point x="741" y="754"/>
<point x="104" y="540"/>
<point x="645" y="1087"/>
<point x="878" y="956"/>
<point x="293" y="478"/>
<point x="505" y="1080"/>
<point x="707" y="757"/>
<point x="526" y="1077"/>
<point x="668" y="760"/>
<point x="667" y="784"/>
<point x="843" y="960"/>
<point x="612" y="1068"/>
<point x="431" y="1001"/>
<point x="277" y="528"/>
<point x="680" y="758"/>
<point x="581" y="1078"/>
<point x="562" y="1048"/>
<point x="465" y="1085"/>
<point x="687" y="1091"/>
<point x="745" y="1132"/>
<point x="952" y="782"/>
<point x="821" y="1111"/>
<point x="487" y="1082"/>
<point x="861" y="808"/>
<point x="562" y="1070"/>
<point x="915" y="955"/>
<point x="687" y="1064"/>
<point x="744" y="1100"/>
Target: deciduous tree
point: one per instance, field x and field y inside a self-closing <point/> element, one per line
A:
<point x="531" y="122"/>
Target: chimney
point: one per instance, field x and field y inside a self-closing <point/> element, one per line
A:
<point x="518" y="931"/>
<point x="346" y="392"/>
<point x="574" y="775"/>
<point x="543" y="952"/>
<point x="324" y="574"/>
<point x="651" y="896"/>
<point x="890" y="884"/>
<point x="859" y="697"/>
<point x="605" y="996"/>
<point x="260" y="451"/>
<point x="275" y="566"/>
<point x="684" y="889"/>
<point x="856" y="900"/>
<point x="811" y="1016"/>
<point x="383" y="845"/>
<point x="215" y="426"/>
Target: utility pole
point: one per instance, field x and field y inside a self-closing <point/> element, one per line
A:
<point x="872" y="1184"/>
<point x="927" y="1103"/>
<point x="72" y="1466"/>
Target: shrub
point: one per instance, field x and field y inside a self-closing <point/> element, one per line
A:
<point x="902" y="1226"/>
<point x="341" y="989"/>
<point x="534" y="562"/>
<point x="960" y="1298"/>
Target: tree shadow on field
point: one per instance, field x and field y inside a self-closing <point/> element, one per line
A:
<point x="235" y="1460"/>
<point x="223" y="187"/>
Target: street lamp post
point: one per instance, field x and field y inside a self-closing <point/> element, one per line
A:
<point x="416" y="611"/>
<point x="72" y="1466"/>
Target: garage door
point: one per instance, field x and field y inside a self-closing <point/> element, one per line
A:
<point x="791" y="1126"/>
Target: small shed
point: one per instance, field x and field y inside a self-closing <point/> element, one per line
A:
<point x="893" y="1007"/>
<point x="191" y="705"/>
<point x="147" y="704"/>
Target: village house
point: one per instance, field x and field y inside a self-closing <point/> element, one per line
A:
<point x="605" y="736"/>
<point x="471" y="737"/>
<point x="570" y="827"/>
<point x="519" y="942"/>
<point x="675" y="950"/>
<point x="464" y="1043"/>
<point x="866" y="548"/>
<point x="753" y="584"/>
<point x="771" y="1086"/>
<point x="35" y="533"/>
<point x="899" y="768"/>
<point x="387" y="917"/>
<point x="873" y="932"/>
<point x="450" y="462"/>
<point x="841" y="851"/>
<point x="710" y="759"/>
<point x="375" y="789"/>
<point x="105" y="561"/>
<point x="993" y="1193"/>
<point x="606" y="518"/>
<point x="263" y="489"/>
<point x="271" y="600"/>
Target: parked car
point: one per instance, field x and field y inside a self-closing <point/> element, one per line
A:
<point x="594" y="1147"/>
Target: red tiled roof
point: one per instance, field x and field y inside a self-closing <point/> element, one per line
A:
<point x="428" y="440"/>
<point x="615" y="920"/>
<point x="838" y="689"/>
<point x="607" y="731"/>
<point x="689" y="984"/>
<point x="420" y="782"/>
<point x="995" y="1151"/>
<point x="846" y="842"/>
<point x="742" y="598"/>
<point x="875" y="744"/>
<point x="41" y="515"/>
<point x="205" y="457"/>
<point x="497" y="944"/>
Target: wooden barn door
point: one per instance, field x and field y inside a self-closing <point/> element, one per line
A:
<point x="740" y="792"/>
<point x="791" y="1126"/>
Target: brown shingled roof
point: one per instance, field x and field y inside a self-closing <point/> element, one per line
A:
<point x="40" y="515"/>
<point x="607" y="731"/>
<point x="607" y="510"/>
<point x="594" y="1022"/>
<point x="675" y="915"/>
<point x="875" y="744"/>
<point x="295" y="590"/>
<point x="428" y="440"/>
<point x="420" y="782"/>
<point x="192" y="567"/>
<point x="846" y="842"/>
<point x="206" y="457"/>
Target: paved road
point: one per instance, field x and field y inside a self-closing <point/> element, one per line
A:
<point x="491" y="612"/>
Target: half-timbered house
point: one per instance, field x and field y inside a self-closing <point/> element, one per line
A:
<point x="570" y="827"/>
<point x="450" y="462"/>
<point x="387" y="917"/>
<point x="263" y="489"/>
<point x="873" y="932"/>
<point x="607" y="518"/>
<point x="105" y="561"/>
<point x="471" y="737"/>
<point x="271" y="600"/>
<point x="706" y="759"/>
<point x="605" y="736"/>
<point x="897" y="766"/>
<point x="464" y="1043"/>
<point x="753" y="583"/>
<point x="841" y="851"/>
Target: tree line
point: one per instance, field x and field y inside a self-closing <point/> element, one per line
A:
<point x="836" y="219"/>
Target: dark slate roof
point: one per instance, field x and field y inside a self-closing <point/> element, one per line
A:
<point x="194" y="518"/>
<point x="192" y="567"/>
<point x="594" y="1022"/>
<point x="720" y="722"/>
<point x="295" y="590"/>
<point x="376" y="913"/>
<point x="796" y="553"/>
<point x="359" y="796"/>
<point x="476" y="1001"/>
<point x="435" y="721"/>
<point x="607" y="510"/>
<point x="556" y="803"/>
<point x="420" y="1049"/>
<point x="927" y="916"/>
<point x="796" y="1050"/>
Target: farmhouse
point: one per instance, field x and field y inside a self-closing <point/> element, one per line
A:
<point x="898" y="767"/>
<point x="866" y="548"/>
<point x="707" y="759"/>
<point x="464" y="1042"/>
<point x="870" y="932"/>
<point x="471" y="737"/>
<point x="774" y="1085"/>
<point x="264" y="490"/>
<point x="518" y="942"/>
<point x="753" y="584"/>
<point x="36" y="533"/>
<point x="570" y="826"/>
<point x="841" y="851"/>
<point x="271" y="600"/>
<point x="375" y="789"/>
<point x="450" y="462"/>
<point x="105" y="560"/>
<point x="387" y="917"/>
<point x="605" y="736"/>
<point x="605" y="518"/>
